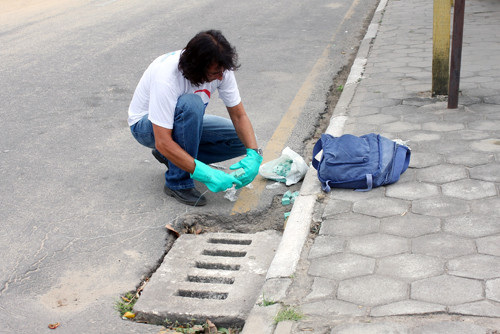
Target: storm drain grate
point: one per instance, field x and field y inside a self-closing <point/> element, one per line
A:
<point x="215" y="276"/>
<point x="217" y="266"/>
<point x="222" y="252"/>
<point x="220" y="280"/>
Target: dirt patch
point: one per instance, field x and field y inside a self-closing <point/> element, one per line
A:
<point x="78" y="289"/>
<point x="250" y="222"/>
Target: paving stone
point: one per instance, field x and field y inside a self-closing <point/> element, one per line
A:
<point x="284" y="327"/>
<point x="412" y="190"/>
<point x="372" y="290"/>
<point x="381" y="207"/>
<point x="489" y="245"/>
<point x="406" y="307"/>
<point x="487" y="145"/>
<point x="353" y="196"/>
<point x="402" y="109"/>
<point x="489" y="172"/>
<point x="467" y="135"/>
<point x="371" y="328"/>
<point x="430" y="105"/>
<point x="488" y="110"/>
<point x="407" y="176"/>
<point x="469" y="189"/>
<point x="493" y="289"/>
<point x="441" y="174"/>
<point x="410" y="266"/>
<point x="350" y="224"/>
<point x="422" y="136"/>
<point x="360" y="128"/>
<point x="442" y="245"/>
<point x="342" y="266"/>
<point x="448" y="327"/>
<point x="322" y="287"/>
<point x="450" y="148"/>
<point x="422" y="160"/>
<point x="420" y="117"/>
<point x="325" y="245"/>
<point x="489" y="125"/>
<point x="482" y="309"/>
<point x="364" y="110"/>
<point x="492" y="100"/>
<point x="410" y="225"/>
<point x="447" y="290"/>
<point x="478" y="266"/>
<point x="462" y="116"/>
<point x="334" y="207"/>
<point x="487" y="207"/>
<point x="442" y="126"/>
<point x="440" y="206"/>
<point x="474" y="226"/>
<point x="376" y="119"/>
<point x="332" y="307"/>
<point x="378" y="245"/>
<point x="400" y="127"/>
<point x="470" y="159"/>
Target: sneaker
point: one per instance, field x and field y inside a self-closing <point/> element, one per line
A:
<point x="161" y="159"/>
<point x="189" y="196"/>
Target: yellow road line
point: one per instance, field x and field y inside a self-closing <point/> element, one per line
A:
<point x="249" y="197"/>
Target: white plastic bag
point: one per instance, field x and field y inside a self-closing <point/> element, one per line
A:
<point x="289" y="168"/>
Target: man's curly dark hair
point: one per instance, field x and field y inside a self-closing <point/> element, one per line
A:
<point x="203" y="50"/>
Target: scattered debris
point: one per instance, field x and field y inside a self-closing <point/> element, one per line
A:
<point x="289" y="197"/>
<point x="179" y="226"/>
<point x="207" y="328"/>
<point x="54" y="326"/>
<point x="128" y="315"/>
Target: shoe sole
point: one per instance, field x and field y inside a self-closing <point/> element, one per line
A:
<point x="158" y="157"/>
<point x="200" y="202"/>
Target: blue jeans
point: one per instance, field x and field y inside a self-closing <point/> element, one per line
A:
<point x="207" y="138"/>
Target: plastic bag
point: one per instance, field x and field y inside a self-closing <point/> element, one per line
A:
<point x="289" y="168"/>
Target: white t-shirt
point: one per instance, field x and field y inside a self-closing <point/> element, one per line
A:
<point x="162" y="84"/>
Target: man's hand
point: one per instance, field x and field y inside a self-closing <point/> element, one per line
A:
<point x="250" y="165"/>
<point x="214" y="179"/>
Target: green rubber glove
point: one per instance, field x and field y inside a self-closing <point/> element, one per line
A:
<point x="250" y="165"/>
<point x="214" y="179"/>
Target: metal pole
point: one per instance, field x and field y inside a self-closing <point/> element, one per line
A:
<point x="456" y="53"/>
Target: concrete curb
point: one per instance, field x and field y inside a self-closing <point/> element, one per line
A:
<point x="284" y="264"/>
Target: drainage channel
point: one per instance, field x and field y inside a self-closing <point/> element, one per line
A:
<point x="215" y="276"/>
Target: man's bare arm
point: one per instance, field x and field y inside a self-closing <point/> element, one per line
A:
<point x="171" y="150"/>
<point x="243" y="125"/>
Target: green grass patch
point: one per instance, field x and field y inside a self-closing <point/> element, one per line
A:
<point x="126" y="303"/>
<point x="266" y="302"/>
<point x="288" y="313"/>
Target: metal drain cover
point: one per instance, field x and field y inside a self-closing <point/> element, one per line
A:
<point x="215" y="276"/>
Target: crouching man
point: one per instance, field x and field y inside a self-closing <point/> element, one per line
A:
<point x="167" y="114"/>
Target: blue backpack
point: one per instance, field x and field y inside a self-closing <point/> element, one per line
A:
<point x="359" y="163"/>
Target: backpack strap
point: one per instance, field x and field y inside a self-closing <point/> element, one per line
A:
<point x="369" y="183"/>
<point x="401" y="162"/>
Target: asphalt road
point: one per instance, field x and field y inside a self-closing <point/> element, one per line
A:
<point x="82" y="208"/>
